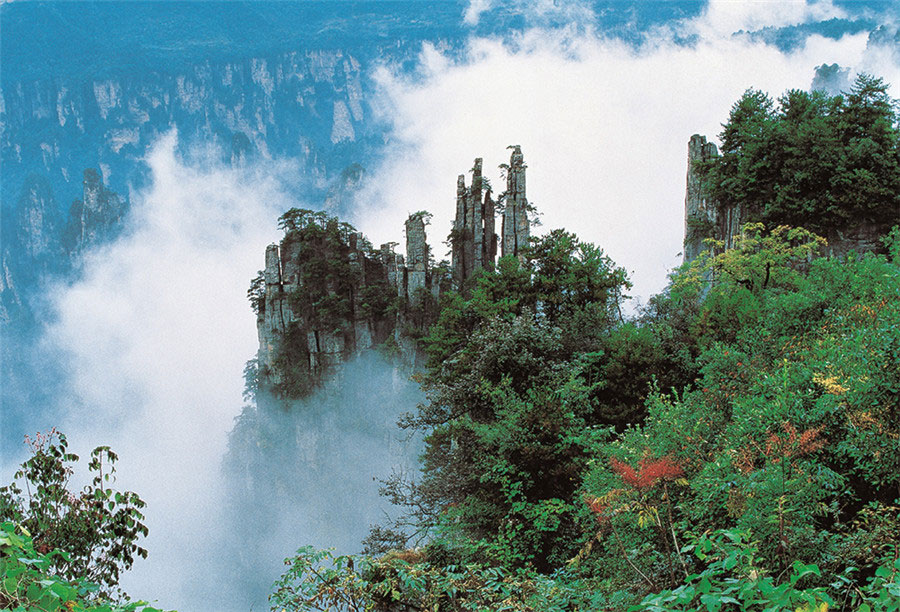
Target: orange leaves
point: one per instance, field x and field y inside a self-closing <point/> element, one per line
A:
<point x="810" y="442"/>
<point x="650" y="472"/>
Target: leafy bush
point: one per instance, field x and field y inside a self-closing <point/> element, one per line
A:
<point x="30" y="581"/>
<point x="733" y="580"/>
<point x="94" y="532"/>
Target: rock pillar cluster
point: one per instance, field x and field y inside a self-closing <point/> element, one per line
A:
<point x="293" y="340"/>
<point x="289" y="342"/>
<point x="306" y="330"/>
<point x="474" y="239"/>
<point x="473" y="247"/>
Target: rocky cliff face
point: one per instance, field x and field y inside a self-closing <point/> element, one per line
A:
<point x="272" y="106"/>
<point x="94" y="217"/>
<point x="40" y="240"/>
<point x="325" y="295"/>
<point x="705" y="218"/>
<point x="308" y="106"/>
<point x="516" y="225"/>
<point x="30" y="243"/>
<point x="701" y="212"/>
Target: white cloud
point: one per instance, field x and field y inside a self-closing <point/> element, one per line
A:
<point x="157" y="330"/>
<point x="728" y="16"/>
<point x="603" y="127"/>
<point x="155" y="335"/>
<point x="474" y="10"/>
<point x="537" y="12"/>
<point x="883" y="60"/>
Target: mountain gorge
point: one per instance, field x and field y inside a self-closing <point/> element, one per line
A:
<point x="308" y="103"/>
<point x="474" y="400"/>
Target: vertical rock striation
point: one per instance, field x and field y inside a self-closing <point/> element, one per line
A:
<point x="703" y="216"/>
<point x="474" y="239"/>
<point x="416" y="258"/>
<point x="700" y="211"/>
<point x="475" y="222"/>
<point x="325" y="295"/>
<point x="458" y="234"/>
<point x="516" y="225"/>
<point x="94" y="217"/>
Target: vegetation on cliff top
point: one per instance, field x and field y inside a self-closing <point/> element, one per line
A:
<point x="735" y="446"/>
<point x="813" y="160"/>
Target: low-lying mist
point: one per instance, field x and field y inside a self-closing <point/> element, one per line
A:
<point x="308" y="472"/>
<point x="151" y="341"/>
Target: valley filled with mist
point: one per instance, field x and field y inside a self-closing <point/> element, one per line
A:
<point x="662" y="377"/>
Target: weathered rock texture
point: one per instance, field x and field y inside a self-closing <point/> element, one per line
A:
<point x="474" y="237"/>
<point x="468" y="235"/>
<point x="29" y="238"/>
<point x="705" y="218"/>
<point x="93" y="217"/>
<point x="377" y="296"/>
<point x="516" y="225"/>
<point x="416" y="258"/>
<point x="701" y="212"/>
<point x="381" y="291"/>
<point x="38" y="241"/>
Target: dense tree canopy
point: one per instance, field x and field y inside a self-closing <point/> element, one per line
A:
<point x="812" y="160"/>
<point x="768" y="481"/>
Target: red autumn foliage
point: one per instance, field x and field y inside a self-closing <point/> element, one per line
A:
<point x="626" y="472"/>
<point x="650" y="472"/>
<point x="598" y="507"/>
<point x="789" y="445"/>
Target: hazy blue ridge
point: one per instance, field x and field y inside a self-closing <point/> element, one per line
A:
<point x="90" y="40"/>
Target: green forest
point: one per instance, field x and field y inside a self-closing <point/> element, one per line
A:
<point x="732" y="445"/>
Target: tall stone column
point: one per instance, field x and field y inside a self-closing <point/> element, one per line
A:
<point x="273" y="324"/>
<point x="490" y="238"/>
<point x="476" y="223"/>
<point x="416" y="256"/>
<point x="457" y="238"/>
<point x="701" y="213"/>
<point x="516" y="227"/>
